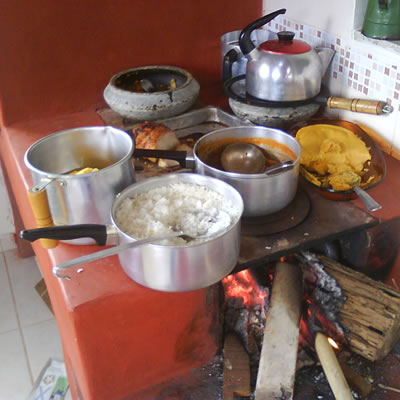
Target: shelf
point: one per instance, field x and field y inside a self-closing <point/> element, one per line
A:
<point x="390" y="45"/>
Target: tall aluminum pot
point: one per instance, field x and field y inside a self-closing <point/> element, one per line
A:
<point x="83" y="198"/>
<point x="262" y="194"/>
<point x="181" y="268"/>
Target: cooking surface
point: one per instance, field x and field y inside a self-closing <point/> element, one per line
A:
<point x="307" y="222"/>
<point x="326" y="221"/>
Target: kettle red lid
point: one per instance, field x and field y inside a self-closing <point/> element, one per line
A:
<point x="285" y="44"/>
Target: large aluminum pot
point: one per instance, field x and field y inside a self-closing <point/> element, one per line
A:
<point x="83" y="198"/>
<point x="169" y="268"/>
<point x="262" y="194"/>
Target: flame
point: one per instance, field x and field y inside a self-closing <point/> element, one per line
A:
<point x="333" y="343"/>
<point x="242" y="285"/>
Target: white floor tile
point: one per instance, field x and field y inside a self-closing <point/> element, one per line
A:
<point x="8" y="318"/>
<point x="42" y="341"/>
<point x="15" y="380"/>
<point x="25" y="274"/>
<point x="7" y="242"/>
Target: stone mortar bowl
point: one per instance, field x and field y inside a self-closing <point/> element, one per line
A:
<point x="174" y="91"/>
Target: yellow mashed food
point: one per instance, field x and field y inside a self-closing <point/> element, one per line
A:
<point x="334" y="153"/>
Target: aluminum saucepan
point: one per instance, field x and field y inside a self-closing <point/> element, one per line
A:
<point x="169" y="268"/>
<point x="85" y="198"/>
<point x="262" y="194"/>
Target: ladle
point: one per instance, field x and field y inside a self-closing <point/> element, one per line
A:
<point x="247" y="158"/>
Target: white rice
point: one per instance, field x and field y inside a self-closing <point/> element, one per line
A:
<point x="193" y="209"/>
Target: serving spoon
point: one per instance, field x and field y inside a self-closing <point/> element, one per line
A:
<point x="247" y="158"/>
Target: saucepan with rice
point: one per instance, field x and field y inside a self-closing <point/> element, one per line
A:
<point x="202" y="213"/>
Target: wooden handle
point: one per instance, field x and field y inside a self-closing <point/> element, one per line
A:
<point x="331" y="366"/>
<point x="41" y="210"/>
<point x="358" y="105"/>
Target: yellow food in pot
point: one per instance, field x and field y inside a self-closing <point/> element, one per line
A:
<point x="335" y="154"/>
<point x="83" y="171"/>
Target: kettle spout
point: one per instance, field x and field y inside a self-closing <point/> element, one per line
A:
<point x="326" y="56"/>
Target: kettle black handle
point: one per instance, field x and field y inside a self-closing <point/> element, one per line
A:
<point x="67" y="232"/>
<point x="245" y="43"/>
<point x="230" y="57"/>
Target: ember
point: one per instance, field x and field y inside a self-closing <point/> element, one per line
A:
<point x="243" y="286"/>
<point x="246" y="307"/>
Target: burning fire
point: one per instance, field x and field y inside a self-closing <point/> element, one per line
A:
<point x="242" y="285"/>
<point x="333" y="343"/>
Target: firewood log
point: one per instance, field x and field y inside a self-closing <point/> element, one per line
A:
<point x="370" y="315"/>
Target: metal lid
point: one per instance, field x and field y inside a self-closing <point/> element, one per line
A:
<point x="285" y="44"/>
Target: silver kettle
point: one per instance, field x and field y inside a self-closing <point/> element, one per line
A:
<point x="282" y="69"/>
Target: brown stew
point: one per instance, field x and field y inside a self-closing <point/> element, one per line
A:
<point x="210" y="153"/>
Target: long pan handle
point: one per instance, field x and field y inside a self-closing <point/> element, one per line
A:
<point x="109" y="252"/>
<point x="184" y="160"/>
<point x="67" y="232"/>
<point x="375" y="107"/>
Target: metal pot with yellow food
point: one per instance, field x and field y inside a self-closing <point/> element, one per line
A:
<point x="76" y="175"/>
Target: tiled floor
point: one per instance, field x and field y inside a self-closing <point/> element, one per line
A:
<point x="28" y="330"/>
